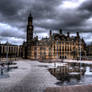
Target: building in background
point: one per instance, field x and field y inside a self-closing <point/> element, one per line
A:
<point x="89" y="52"/>
<point x="11" y="50"/>
<point x="57" y="46"/>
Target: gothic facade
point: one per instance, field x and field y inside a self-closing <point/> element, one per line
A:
<point x="57" y="46"/>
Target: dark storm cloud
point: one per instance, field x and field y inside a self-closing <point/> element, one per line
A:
<point x="13" y="34"/>
<point x="8" y="7"/>
<point x="12" y="24"/>
<point x="44" y="8"/>
<point x="9" y="10"/>
<point x="87" y="5"/>
<point x="11" y="13"/>
<point x="47" y="14"/>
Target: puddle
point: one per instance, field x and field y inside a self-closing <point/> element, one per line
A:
<point x="43" y="66"/>
<point x="4" y="76"/>
<point x="72" y="76"/>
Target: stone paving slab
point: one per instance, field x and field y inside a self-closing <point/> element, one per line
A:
<point x="37" y="80"/>
<point x="78" y="88"/>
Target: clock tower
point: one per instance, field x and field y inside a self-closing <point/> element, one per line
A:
<point x="30" y="29"/>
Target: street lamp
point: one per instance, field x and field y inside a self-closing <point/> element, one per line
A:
<point x="7" y="56"/>
<point x="7" y="52"/>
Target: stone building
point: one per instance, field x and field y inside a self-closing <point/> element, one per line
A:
<point x="89" y="52"/>
<point x="10" y="50"/>
<point x="57" y="46"/>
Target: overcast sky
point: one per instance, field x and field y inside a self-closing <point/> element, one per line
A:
<point x="70" y="15"/>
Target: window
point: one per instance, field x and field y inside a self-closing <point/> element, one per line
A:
<point x="35" y="48"/>
<point x="49" y="51"/>
<point x="62" y="48"/>
<point x="40" y="53"/>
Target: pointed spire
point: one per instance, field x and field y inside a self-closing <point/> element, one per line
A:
<point x="82" y="40"/>
<point x="50" y="33"/>
<point x="68" y="34"/>
<point x="30" y="17"/>
<point x="7" y="43"/>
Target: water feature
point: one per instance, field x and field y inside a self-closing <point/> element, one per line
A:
<point x="5" y="68"/>
<point x="87" y="73"/>
<point x="77" y="76"/>
<point x="3" y="73"/>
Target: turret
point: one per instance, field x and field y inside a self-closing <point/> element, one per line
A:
<point x="68" y="34"/>
<point x="78" y="35"/>
<point x="50" y="33"/>
<point x="30" y="19"/>
<point x="60" y="31"/>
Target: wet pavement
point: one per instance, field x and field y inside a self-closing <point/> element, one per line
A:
<point x="37" y="80"/>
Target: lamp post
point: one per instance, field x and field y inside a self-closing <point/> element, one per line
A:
<point x="7" y="52"/>
<point x="7" y="57"/>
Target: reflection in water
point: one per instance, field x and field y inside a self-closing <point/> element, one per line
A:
<point x="73" y="78"/>
<point x="88" y="71"/>
<point x="5" y="75"/>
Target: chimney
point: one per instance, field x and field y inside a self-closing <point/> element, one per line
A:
<point x="60" y="31"/>
<point x="68" y="34"/>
